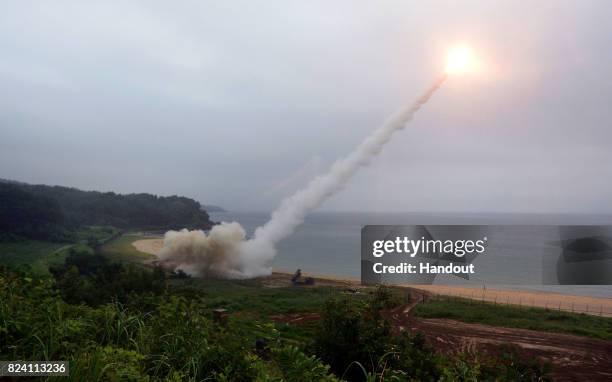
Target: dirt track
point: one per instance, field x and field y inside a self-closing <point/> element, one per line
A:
<point x="573" y="358"/>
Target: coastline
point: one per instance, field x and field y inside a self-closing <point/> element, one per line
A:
<point x="548" y="300"/>
<point x="598" y="306"/>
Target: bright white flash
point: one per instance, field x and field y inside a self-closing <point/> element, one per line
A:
<point x="460" y="60"/>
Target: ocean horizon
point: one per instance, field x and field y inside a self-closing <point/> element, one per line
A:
<point x="328" y="243"/>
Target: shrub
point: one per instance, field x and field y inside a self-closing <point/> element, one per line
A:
<point x="297" y="366"/>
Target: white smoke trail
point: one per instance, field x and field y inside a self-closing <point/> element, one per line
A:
<point x="251" y="258"/>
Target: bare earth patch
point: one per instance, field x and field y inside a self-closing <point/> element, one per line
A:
<point x="150" y="246"/>
<point x="573" y="358"/>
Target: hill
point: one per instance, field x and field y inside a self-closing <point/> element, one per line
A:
<point x="50" y="212"/>
<point x="213" y="208"/>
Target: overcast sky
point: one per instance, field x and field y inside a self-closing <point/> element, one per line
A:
<point x="240" y="103"/>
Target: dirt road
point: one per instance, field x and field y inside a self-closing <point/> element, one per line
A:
<point x="573" y="358"/>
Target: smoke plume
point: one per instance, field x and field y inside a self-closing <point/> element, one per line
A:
<point x="224" y="252"/>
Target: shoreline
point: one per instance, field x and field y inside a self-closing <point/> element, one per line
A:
<point x="526" y="298"/>
<point x="599" y="306"/>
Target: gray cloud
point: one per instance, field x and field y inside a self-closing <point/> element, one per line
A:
<point x="221" y="101"/>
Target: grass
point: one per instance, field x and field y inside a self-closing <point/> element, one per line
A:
<point x="40" y="255"/>
<point x="251" y="303"/>
<point x="517" y="317"/>
<point x="249" y="296"/>
<point x="33" y="253"/>
<point x="121" y="249"/>
<point x="97" y="233"/>
<point x="56" y="258"/>
<point x="249" y="299"/>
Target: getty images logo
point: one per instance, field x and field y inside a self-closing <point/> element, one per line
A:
<point x="407" y="246"/>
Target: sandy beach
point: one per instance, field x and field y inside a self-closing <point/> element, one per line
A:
<point x="150" y="246"/>
<point x="554" y="301"/>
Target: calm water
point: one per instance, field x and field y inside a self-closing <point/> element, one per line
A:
<point x="328" y="243"/>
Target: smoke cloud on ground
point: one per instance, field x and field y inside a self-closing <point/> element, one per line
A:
<point x="225" y="251"/>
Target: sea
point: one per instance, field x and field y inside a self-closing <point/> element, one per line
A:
<point x="328" y="243"/>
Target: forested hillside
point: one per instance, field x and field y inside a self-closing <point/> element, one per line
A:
<point x="50" y="212"/>
<point x="26" y="214"/>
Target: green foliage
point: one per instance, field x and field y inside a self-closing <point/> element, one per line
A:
<point x="35" y="254"/>
<point x="53" y="213"/>
<point x="338" y="339"/>
<point x="352" y="334"/>
<point x="384" y="297"/>
<point x="360" y="345"/>
<point x="92" y="279"/>
<point x="415" y="357"/>
<point x="131" y="211"/>
<point x="251" y="297"/>
<point x="170" y="336"/>
<point x="121" y="249"/>
<point x="511" y="366"/>
<point x="93" y="236"/>
<point x="174" y="341"/>
<point x="25" y="213"/>
<point x="517" y="317"/>
<point x="296" y="366"/>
